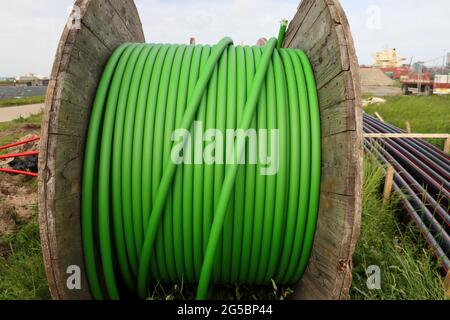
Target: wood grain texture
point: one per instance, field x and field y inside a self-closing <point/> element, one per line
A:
<point x="79" y="61"/>
<point x="321" y="29"/>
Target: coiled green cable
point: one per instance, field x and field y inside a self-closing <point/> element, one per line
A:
<point x="145" y="218"/>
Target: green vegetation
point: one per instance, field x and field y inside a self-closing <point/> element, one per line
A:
<point x="5" y="83"/>
<point x="34" y="119"/>
<point x="13" y="130"/>
<point x="397" y="83"/>
<point x="426" y="114"/>
<point x="21" y="101"/>
<point x="22" y="275"/>
<point x="408" y="269"/>
<point x="220" y="292"/>
<point x="367" y="95"/>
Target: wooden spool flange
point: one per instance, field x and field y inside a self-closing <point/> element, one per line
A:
<point x="319" y="27"/>
<point x="80" y="58"/>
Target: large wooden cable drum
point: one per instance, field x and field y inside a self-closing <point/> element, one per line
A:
<point x="319" y="28"/>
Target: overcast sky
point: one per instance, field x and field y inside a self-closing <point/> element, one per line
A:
<point x="30" y="29"/>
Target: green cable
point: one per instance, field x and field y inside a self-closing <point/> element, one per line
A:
<point x="282" y="33"/>
<point x="146" y="218"/>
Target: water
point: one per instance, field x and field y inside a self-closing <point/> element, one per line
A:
<point x="21" y="92"/>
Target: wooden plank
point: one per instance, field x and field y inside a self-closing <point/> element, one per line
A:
<point x="78" y="65"/>
<point x="302" y="11"/>
<point x="379" y="117"/>
<point x="336" y="91"/>
<point x="69" y="125"/>
<point x="127" y="12"/>
<point x="67" y="151"/>
<point x="339" y="119"/>
<point x="338" y="163"/>
<point x="323" y="54"/>
<point x="331" y="259"/>
<point x="314" y="20"/>
<point x="408" y="127"/>
<point x="388" y="184"/>
<point x="326" y="49"/>
<point x="102" y="20"/>
<point x="321" y="29"/>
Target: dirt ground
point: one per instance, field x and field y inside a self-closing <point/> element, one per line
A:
<point x="19" y="202"/>
<point x="18" y="194"/>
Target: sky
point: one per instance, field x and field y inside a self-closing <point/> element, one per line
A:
<point x="30" y="29"/>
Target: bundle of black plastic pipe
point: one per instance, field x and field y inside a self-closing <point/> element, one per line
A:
<point x="421" y="178"/>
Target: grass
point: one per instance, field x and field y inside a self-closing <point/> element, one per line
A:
<point x="22" y="274"/>
<point x="367" y="95"/>
<point x="221" y="292"/>
<point x="21" y="101"/>
<point x="397" y="83"/>
<point x="13" y="130"/>
<point x="426" y="114"/>
<point x="408" y="269"/>
<point x="6" y="83"/>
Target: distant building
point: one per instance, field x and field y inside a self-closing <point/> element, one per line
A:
<point x="387" y="59"/>
<point x="30" y="80"/>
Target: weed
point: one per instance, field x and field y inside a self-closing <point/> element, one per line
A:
<point x="22" y="275"/>
<point x="425" y="114"/>
<point x="408" y="269"/>
<point x="21" y="101"/>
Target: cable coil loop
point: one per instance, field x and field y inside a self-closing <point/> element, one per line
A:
<point x="146" y="218"/>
